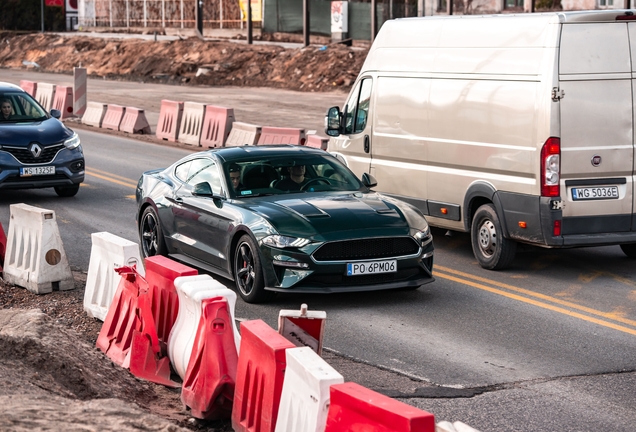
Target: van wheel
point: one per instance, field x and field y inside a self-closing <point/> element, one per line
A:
<point x="629" y="249"/>
<point x="492" y="250"/>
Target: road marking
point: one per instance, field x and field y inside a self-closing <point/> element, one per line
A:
<point x="531" y="301"/>
<point x="123" y="181"/>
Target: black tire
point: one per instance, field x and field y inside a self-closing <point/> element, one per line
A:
<point x="67" y="191"/>
<point x="151" y="241"/>
<point x="248" y="272"/>
<point x="629" y="249"/>
<point x="492" y="250"/>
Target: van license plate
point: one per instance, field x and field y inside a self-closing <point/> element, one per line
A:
<point x="373" y="267"/>
<point x="594" y="193"/>
<point x="31" y="171"/>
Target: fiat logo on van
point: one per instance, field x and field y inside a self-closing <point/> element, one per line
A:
<point x="596" y="160"/>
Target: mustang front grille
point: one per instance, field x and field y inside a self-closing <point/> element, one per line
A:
<point x="25" y="156"/>
<point x="365" y="249"/>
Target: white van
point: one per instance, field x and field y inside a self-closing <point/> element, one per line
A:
<point x="517" y="128"/>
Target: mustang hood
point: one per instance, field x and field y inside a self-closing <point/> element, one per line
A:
<point x="46" y="132"/>
<point x="322" y="215"/>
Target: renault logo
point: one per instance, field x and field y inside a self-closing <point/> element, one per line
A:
<point x="35" y="150"/>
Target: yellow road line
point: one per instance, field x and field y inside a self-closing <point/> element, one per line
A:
<point x="537" y="303"/>
<point x="110" y="177"/>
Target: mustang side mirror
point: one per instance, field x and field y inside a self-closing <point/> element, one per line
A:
<point x="332" y="121"/>
<point x="204" y="189"/>
<point x="368" y="180"/>
<point x="56" y="113"/>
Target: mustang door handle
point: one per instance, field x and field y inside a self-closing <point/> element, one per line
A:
<point x="366" y="143"/>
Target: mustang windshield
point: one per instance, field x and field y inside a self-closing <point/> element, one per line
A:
<point x="289" y="174"/>
<point x="19" y="107"/>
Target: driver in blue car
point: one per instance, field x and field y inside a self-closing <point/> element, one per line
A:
<point x="6" y="110"/>
<point x="295" y="180"/>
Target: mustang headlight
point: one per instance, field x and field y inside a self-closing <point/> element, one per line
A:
<point x="281" y="242"/>
<point x="422" y="236"/>
<point x="72" y="142"/>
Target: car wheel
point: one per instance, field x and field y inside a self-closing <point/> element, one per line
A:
<point x="248" y="272"/>
<point x="492" y="250"/>
<point x="629" y="249"/>
<point x="150" y="235"/>
<point x="67" y="191"/>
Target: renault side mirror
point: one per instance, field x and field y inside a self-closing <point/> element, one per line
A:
<point x="368" y="180"/>
<point x="332" y="121"/>
<point x="55" y="113"/>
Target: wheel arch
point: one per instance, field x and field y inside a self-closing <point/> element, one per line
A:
<point x="240" y="232"/>
<point x="478" y="194"/>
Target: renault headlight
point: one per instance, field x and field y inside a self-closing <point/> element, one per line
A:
<point x="281" y="242"/>
<point x="73" y="142"/>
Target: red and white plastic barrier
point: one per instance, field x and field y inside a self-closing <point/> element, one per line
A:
<point x="134" y="121"/>
<point x="79" y="91"/>
<point x="94" y="114"/>
<point x="278" y="135"/>
<point x="317" y="141"/>
<point x="35" y="257"/>
<point x="63" y="101"/>
<point x="114" y="115"/>
<point x="108" y="252"/>
<point x="3" y="245"/>
<point x="191" y="123"/>
<point x="192" y="290"/>
<point x="445" y="426"/>
<point x="353" y="407"/>
<point x="29" y="86"/>
<point x="169" y="120"/>
<point x="304" y="402"/>
<point x="243" y="134"/>
<point x="44" y="94"/>
<point x="208" y="385"/>
<point x="259" y="377"/>
<point x="217" y="124"/>
<point x="303" y="327"/>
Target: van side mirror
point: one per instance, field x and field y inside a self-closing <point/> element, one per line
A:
<point x="332" y="121"/>
<point x="56" y="113"/>
<point x="368" y="180"/>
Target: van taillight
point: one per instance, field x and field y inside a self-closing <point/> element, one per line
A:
<point x="556" y="229"/>
<point x="551" y="167"/>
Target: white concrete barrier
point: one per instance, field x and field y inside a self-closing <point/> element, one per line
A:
<point x="304" y="402"/>
<point x="94" y="114"/>
<point x="243" y="134"/>
<point x="191" y="291"/>
<point x="108" y="252"/>
<point x="191" y="123"/>
<point x="44" y="94"/>
<point x="35" y="257"/>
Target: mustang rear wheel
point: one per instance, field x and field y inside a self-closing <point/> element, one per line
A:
<point x="150" y="235"/>
<point x="248" y="272"/>
<point x="492" y="250"/>
<point x="66" y="191"/>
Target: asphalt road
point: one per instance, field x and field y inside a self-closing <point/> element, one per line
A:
<point x="547" y="345"/>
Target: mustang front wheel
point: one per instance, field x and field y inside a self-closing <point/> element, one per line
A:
<point x="248" y="272"/>
<point x="150" y="235"/>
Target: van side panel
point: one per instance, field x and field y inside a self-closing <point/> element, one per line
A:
<point x="597" y="144"/>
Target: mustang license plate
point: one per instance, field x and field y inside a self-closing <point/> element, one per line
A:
<point x="363" y="268"/>
<point x="33" y="171"/>
<point x="594" y="193"/>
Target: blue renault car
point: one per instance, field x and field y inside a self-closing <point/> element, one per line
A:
<point x="36" y="149"/>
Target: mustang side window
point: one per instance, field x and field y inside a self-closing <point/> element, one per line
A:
<point x="204" y="170"/>
<point x="357" y="107"/>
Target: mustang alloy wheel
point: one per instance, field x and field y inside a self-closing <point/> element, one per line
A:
<point x="151" y="238"/>
<point x="248" y="272"/>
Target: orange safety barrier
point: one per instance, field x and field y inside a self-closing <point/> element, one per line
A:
<point x="29" y="86"/>
<point x="113" y="117"/>
<point x="353" y="407"/>
<point x="169" y="120"/>
<point x="3" y="245"/>
<point x="134" y="121"/>
<point x="259" y="377"/>
<point x="276" y="135"/>
<point x="317" y="141"/>
<point x="217" y="124"/>
<point x="63" y="101"/>
<point x="208" y="385"/>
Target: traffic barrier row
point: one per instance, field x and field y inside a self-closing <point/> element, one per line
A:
<point x="35" y="257"/>
<point x="69" y="100"/>
<point x="63" y="101"/>
<point x="94" y="114"/>
<point x="116" y="117"/>
<point x="29" y="86"/>
<point x="44" y="94"/>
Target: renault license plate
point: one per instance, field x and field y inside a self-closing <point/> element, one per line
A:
<point x="371" y="267"/>
<point x="595" y="193"/>
<point x="34" y="171"/>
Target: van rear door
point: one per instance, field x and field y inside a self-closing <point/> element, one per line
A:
<point x="597" y="142"/>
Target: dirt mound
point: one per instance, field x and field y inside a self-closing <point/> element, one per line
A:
<point x="188" y="61"/>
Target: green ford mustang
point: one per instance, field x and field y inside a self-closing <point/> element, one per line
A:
<point x="282" y="219"/>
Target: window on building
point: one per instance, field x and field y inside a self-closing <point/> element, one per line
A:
<point x="513" y="4"/>
<point x="606" y="3"/>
